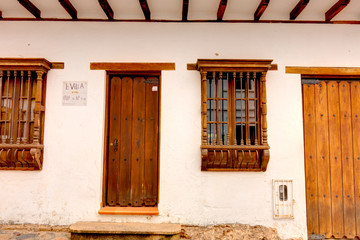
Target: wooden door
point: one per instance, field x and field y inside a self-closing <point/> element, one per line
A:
<point x="131" y="179"/>
<point x="331" y="113"/>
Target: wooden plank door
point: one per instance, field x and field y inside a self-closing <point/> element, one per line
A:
<point x="132" y="141"/>
<point x="331" y="112"/>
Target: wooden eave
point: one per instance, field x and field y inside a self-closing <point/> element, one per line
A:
<point x="229" y="65"/>
<point x="70" y="9"/>
<point x="145" y="8"/>
<point x="334" y="10"/>
<point x="107" y="9"/>
<point x="221" y="10"/>
<point x="261" y="9"/>
<point x="300" y="6"/>
<point x="30" y="64"/>
<point x="185" y="10"/>
<point x="31" y="8"/>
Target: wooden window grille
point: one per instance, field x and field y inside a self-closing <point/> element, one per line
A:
<point x="22" y="94"/>
<point x="234" y="126"/>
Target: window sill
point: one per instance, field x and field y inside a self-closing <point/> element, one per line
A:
<point x="129" y="210"/>
<point x="253" y="158"/>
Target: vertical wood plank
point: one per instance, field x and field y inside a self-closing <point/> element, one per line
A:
<point x="125" y="140"/>
<point x="323" y="164"/>
<point x="355" y="109"/>
<point x="309" y="117"/>
<point x="347" y="159"/>
<point x="337" y="209"/>
<point x="114" y="136"/>
<point x="151" y="143"/>
<point x="138" y="137"/>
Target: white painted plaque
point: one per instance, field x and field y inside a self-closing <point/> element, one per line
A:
<point x="74" y="93"/>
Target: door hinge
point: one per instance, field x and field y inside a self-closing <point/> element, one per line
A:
<point x="310" y="81"/>
<point x="316" y="237"/>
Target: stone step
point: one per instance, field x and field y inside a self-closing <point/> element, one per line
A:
<point x="129" y="231"/>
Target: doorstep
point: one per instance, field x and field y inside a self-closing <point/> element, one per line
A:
<point x="110" y="230"/>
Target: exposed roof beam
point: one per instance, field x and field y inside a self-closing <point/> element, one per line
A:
<point x="69" y="8"/>
<point x="298" y="9"/>
<point x="107" y="9"/>
<point x="145" y="9"/>
<point x="185" y="10"/>
<point x="221" y="10"/>
<point x="261" y="9"/>
<point x="31" y="8"/>
<point x="334" y="10"/>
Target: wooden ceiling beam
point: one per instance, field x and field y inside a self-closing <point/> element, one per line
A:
<point x="145" y="8"/>
<point x="30" y="7"/>
<point x="107" y="9"/>
<point x="69" y="8"/>
<point x="221" y="10"/>
<point x="298" y="9"/>
<point x="185" y="10"/>
<point x="334" y="10"/>
<point x="261" y="9"/>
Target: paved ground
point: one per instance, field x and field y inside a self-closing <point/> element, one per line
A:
<point x="33" y="232"/>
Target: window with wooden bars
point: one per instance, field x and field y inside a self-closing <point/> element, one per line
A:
<point x="234" y="126"/>
<point x="22" y="94"/>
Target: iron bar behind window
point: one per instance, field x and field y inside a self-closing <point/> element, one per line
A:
<point x="244" y="86"/>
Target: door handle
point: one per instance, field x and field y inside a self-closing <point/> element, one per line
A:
<point x="115" y="144"/>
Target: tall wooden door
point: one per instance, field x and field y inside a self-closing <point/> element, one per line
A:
<point x="331" y="113"/>
<point x="132" y="141"/>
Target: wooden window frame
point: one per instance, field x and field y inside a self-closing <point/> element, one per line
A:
<point x="23" y="149"/>
<point x="231" y="156"/>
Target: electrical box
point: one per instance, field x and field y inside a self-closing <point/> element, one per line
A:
<point x="283" y="199"/>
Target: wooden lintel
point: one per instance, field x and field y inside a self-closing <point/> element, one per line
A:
<point x="221" y="10"/>
<point x="131" y="66"/>
<point x="300" y="6"/>
<point x="30" y="7"/>
<point x="107" y="9"/>
<point x="145" y="8"/>
<point x="261" y="9"/>
<point x="340" y="71"/>
<point x="69" y="8"/>
<point x="185" y="10"/>
<point x="334" y="10"/>
<point x="229" y="65"/>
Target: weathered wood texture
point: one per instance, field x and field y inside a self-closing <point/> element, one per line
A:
<point x="331" y="129"/>
<point x="133" y="140"/>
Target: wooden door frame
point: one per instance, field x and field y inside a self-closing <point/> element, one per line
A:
<point x="127" y="210"/>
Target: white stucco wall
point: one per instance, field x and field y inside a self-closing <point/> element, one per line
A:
<point x="68" y="189"/>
